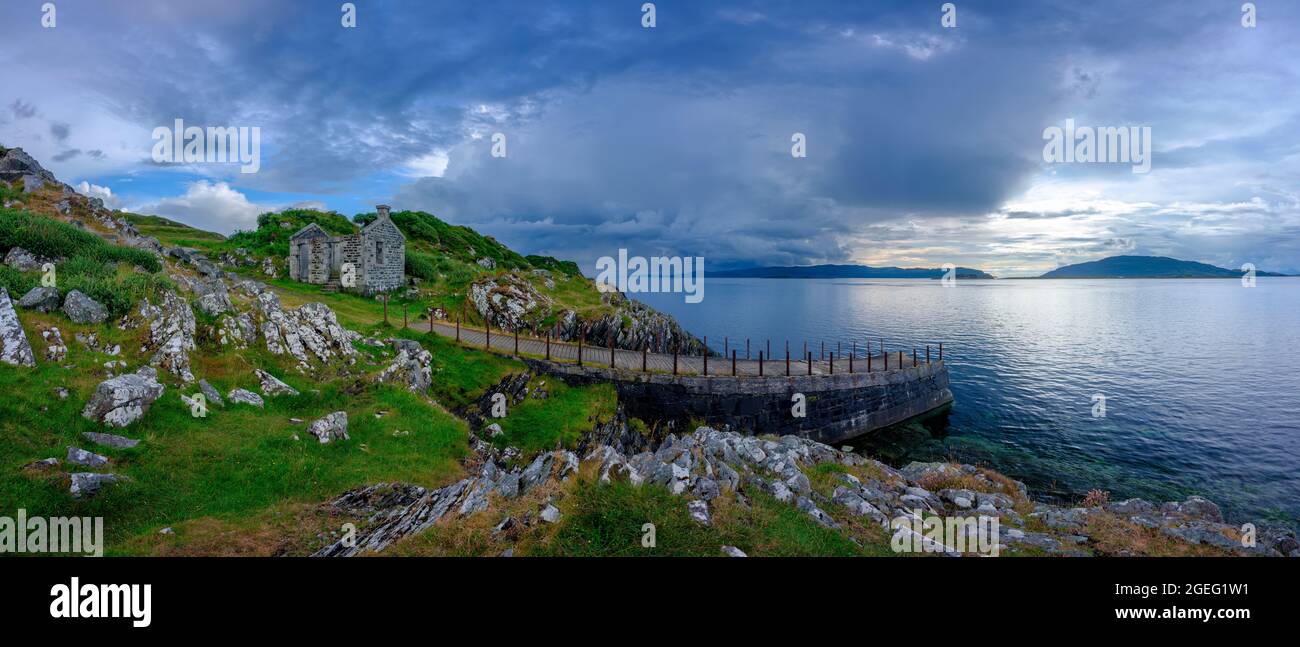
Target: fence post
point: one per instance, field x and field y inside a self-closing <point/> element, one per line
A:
<point x="385" y="309"/>
<point x="855" y="352"/>
<point x="760" y="363"/>
<point x="611" y="350"/>
<point x="645" y="354"/>
<point x="746" y="348"/>
<point x="733" y="363"/>
<point x="940" y="351"/>
<point x="430" y="319"/>
<point x="487" y="327"/>
<point x="868" y="358"/>
<point x="809" y="358"/>
<point x="886" y="356"/>
<point x="914" y="357"/>
<point x="787" y="358"/>
<point x="900" y="359"/>
<point x="706" y="355"/>
<point x="832" y="364"/>
<point x="458" y="329"/>
<point x="548" y="345"/>
<point x="674" y="359"/>
<point x="581" y="334"/>
<point x="516" y="340"/>
<point x="927" y="354"/>
<point x="821" y="354"/>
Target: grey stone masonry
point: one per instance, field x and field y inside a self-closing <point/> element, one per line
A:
<point x="374" y="256"/>
<point x="837" y="407"/>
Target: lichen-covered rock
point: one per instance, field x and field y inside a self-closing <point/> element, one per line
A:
<point x="332" y="427"/>
<point x="211" y="393"/>
<point x="237" y="330"/>
<point x="111" y="440"/>
<point x="411" y="368"/>
<point x="508" y="302"/>
<point x="214" y="298"/>
<point x="171" y="334"/>
<point x="14" y="347"/>
<point x="121" y="400"/>
<point x="41" y="299"/>
<point x="55" y="349"/>
<point x="271" y="385"/>
<point x="309" y="334"/>
<point x="244" y="396"/>
<point x="86" y="484"/>
<point x="24" y="261"/>
<point x="78" y="456"/>
<point x="83" y="309"/>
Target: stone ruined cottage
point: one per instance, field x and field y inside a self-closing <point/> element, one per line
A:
<point x="369" y="261"/>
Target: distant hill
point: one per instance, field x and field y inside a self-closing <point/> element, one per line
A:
<point x="847" y="272"/>
<point x="1145" y="267"/>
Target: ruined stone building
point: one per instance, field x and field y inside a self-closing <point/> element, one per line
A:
<point x="371" y="260"/>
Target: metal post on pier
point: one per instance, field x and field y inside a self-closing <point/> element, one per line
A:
<point x="914" y="357"/>
<point x="746" y="348"/>
<point x="821" y="354"/>
<point x="868" y="357"/>
<point x="760" y="363"/>
<point x="645" y="355"/>
<point x="674" y="359"/>
<point x="787" y="358"/>
<point x="706" y="355"/>
<point x="548" y="345"/>
<point x="886" y="356"/>
<point x="832" y="364"/>
<point x="809" y="358"/>
<point x="733" y="363"/>
<point x="900" y="359"/>
<point x="855" y="352"/>
<point x="927" y="354"/>
<point x="940" y="351"/>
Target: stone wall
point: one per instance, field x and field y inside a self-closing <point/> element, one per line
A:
<point x="389" y="271"/>
<point x="839" y="407"/>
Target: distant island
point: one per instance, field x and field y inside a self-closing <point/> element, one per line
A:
<point x="847" y="272"/>
<point x="1145" y="267"/>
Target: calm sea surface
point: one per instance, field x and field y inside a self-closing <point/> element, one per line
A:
<point x="1200" y="377"/>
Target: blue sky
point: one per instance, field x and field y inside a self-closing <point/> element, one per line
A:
<point x="924" y="142"/>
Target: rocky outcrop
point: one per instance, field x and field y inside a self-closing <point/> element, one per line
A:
<point x="310" y="334"/>
<point x="214" y="298"/>
<point x="171" y="334"/>
<point x="411" y="368"/>
<point x="508" y="302"/>
<point x="24" y="261"/>
<point x="16" y="164"/>
<point x="271" y="385"/>
<point x="55" y="350"/>
<point x="83" y="309"/>
<point x="197" y="260"/>
<point x="119" y="401"/>
<point x="244" y="396"/>
<point x="710" y="463"/>
<point x="237" y="330"/>
<point x="332" y="427"/>
<point x="86" y="484"/>
<point x="110" y="440"/>
<point x="14" y="347"/>
<point x="41" y="299"/>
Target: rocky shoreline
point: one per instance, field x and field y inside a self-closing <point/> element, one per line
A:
<point x="710" y="463"/>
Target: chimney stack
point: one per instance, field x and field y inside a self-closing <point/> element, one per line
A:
<point x="382" y="209"/>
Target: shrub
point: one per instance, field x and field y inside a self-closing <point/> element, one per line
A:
<point x="420" y="266"/>
<point x="54" y="239"/>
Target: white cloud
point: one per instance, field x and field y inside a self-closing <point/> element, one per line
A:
<point x="213" y="206"/>
<point x="102" y="192"/>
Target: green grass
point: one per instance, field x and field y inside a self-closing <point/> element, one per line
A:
<point x="607" y="520"/>
<point x="172" y="233"/>
<point x="234" y="462"/>
<point x="561" y="418"/>
<point x="53" y="239"/>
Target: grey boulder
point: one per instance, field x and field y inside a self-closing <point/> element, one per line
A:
<point x="122" y="400"/>
<point x="83" y="309"/>
<point x="41" y="298"/>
